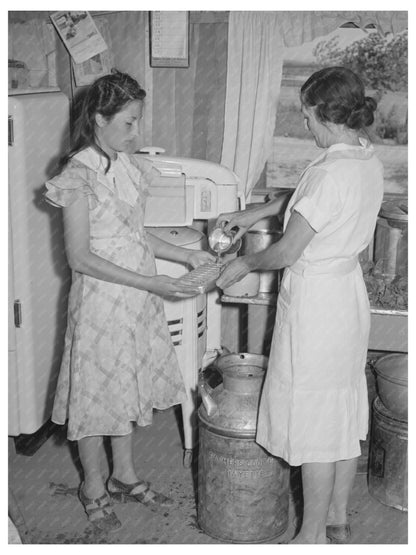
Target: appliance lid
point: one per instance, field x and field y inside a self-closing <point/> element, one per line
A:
<point x="178" y="236"/>
<point x="393" y="367"/>
<point x="194" y="168"/>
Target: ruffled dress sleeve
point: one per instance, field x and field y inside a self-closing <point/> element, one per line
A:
<point x="319" y="200"/>
<point x="71" y="184"/>
<point x="148" y="172"/>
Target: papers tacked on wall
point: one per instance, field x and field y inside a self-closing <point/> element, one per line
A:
<point x="79" y="34"/>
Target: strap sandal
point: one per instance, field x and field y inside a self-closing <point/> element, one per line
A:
<point x="100" y="511"/>
<point x="338" y="533"/>
<point x="140" y="491"/>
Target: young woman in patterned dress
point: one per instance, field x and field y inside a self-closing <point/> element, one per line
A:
<point x="119" y="362"/>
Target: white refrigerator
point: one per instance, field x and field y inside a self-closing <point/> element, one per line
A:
<point x="39" y="278"/>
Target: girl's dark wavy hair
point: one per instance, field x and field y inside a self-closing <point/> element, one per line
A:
<point x="338" y="95"/>
<point x="107" y="96"/>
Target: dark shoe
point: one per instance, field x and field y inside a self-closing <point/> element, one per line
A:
<point x="338" y="533"/>
<point x="138" y="491"/>
<point x="100" y="512"/>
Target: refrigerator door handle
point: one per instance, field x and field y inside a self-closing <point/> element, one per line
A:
<point x="17" y="313"/>
<point x="11" y="131"/>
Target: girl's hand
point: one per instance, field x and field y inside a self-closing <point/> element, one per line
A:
<point x="166" y="286"/>
<point x="197" y="258"/>
<point x="234" y="271"/>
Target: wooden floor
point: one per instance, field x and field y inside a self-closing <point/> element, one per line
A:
<point x="44" y="488"/>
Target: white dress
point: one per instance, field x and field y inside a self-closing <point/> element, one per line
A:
<point x="314" y="405"/>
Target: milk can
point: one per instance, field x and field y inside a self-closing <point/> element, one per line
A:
<point x="391" y="239"/>
<point x="243" y="492"/>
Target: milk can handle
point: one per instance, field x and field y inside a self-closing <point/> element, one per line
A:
<point x="210" y="405"/>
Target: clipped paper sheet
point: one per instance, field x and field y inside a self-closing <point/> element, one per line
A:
<point x="80" y="34"/>
<point x="97" y="66"/>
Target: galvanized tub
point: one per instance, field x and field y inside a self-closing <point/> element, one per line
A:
<point x="243" y="492"/>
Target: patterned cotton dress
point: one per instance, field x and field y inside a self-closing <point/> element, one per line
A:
<point x="314" y="405"/>
<point x="119" y="362"/>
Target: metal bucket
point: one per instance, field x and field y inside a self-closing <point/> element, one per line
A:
<point x="243" y="492"/>
<point x="259" y="237"/>
<point x="387" y="473"/>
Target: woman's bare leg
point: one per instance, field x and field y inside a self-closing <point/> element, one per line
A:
<point x="345" y="472"/>
<point x="317" y="483"/>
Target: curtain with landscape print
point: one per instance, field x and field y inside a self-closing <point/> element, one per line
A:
<point x="256" y="43"/>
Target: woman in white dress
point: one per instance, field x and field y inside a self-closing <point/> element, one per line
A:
<point x="314" y="406"/>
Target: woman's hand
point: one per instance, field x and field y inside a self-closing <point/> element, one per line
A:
<point x="166" y="286"/>
<point x="234" y="271"/>
<point x="243" y="220"/>
<point x="197" y="258"/>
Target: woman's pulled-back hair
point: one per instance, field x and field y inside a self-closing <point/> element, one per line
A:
<point x="107" y="96"/>
<point x="338" y="95"/>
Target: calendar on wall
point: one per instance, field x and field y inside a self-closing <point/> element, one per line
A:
<point x="169" y="39"/>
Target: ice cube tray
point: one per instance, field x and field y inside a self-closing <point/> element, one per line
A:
<point x="202" y="278"/>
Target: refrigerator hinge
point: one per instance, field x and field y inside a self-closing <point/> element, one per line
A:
<point x="11" y="131"/>
<point x="17" y="313"/>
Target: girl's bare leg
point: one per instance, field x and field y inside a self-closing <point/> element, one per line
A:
<point x="123" y="466"/>
<point x="90" y="451"/>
